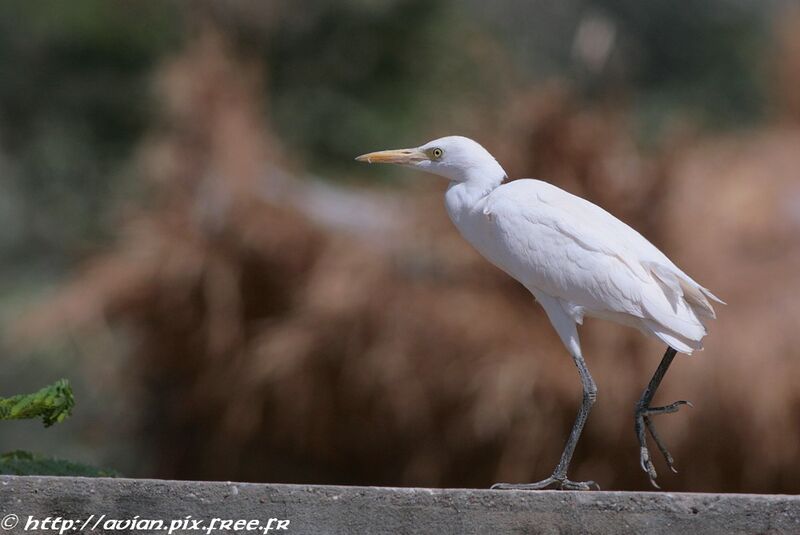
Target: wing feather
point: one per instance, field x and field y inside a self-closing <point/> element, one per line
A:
<point x="575" y="251"/>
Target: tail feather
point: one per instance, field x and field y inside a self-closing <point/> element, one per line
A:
<point x="711" y="296"/>
<point x="677" y="313"/>
<point x="678" y="285"/>
<point x="672" y="339"/>
<point x="697" y="299"/>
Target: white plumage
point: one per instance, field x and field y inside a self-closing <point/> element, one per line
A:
<point x="574" y="257"/>
<point x="586" y="261"/>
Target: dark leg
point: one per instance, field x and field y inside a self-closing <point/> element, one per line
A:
<point x="642" y="418"/>
<point x="559" y="477"/>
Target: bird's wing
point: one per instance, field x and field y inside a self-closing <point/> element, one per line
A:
<point x="577" y="252"/>
<point x="638" y="251"/>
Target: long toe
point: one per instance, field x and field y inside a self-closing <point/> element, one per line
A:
<point x="579" y="485"/>
<point x="558" y="483"/>
<point x="667" y="409"/>
<point x="539" y="485"/>
<point x="661" y="447"/>
<point x="643" y="420"/>
<point x="647" y="465"/>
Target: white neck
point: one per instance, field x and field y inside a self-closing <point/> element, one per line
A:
<point x="463" y="196"/>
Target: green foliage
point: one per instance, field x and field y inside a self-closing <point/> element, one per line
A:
<point x="52" y="404"/>
<point x="23" y="463"/>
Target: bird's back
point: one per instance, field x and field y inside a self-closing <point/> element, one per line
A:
<point x="565" y="247"/>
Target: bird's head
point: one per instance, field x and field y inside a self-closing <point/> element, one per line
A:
<point x="454" y="157"/>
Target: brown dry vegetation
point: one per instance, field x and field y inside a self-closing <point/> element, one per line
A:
<point x="273" y="341"/>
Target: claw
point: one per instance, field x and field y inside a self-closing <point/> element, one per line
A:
<point x="647" y="465"/>
<point x="661" y="447"/>
<point x="579" y="485"/>
<point x="667" y="409"/>
<point x="562" y="483"/>
<point x="642" y="418"/>
<point x="644" y="456"/>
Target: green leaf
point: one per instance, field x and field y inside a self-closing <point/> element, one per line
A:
<point x="52" y="404"/>
<point x="23" y="463"/>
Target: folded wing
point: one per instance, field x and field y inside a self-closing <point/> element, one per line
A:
<point x="570" y="249"/>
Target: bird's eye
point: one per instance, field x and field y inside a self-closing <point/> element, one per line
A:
<point x="437" y="153"/>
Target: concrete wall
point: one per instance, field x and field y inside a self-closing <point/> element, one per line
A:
<point x="80" y="503"/>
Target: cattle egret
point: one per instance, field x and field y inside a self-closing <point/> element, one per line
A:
<point x="577" y="260"/>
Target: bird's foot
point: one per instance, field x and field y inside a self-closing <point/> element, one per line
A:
<point x="560" y="483"/>
<point x="643" y="420"/>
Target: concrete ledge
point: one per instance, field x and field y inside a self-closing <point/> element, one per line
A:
<point x="372" y="510"/>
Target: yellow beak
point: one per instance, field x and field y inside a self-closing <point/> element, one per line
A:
<point x="399" y="156"/>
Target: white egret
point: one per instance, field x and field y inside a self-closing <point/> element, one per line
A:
<point x="577" y="260"/>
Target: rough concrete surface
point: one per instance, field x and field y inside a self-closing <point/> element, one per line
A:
<point x="320" y="510"/>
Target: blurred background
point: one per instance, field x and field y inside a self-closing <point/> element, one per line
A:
<point x="185" y="236"/>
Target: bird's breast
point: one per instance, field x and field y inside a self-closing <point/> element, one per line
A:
<point x="478" y="226"/>
<point x="529" y="254"/>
